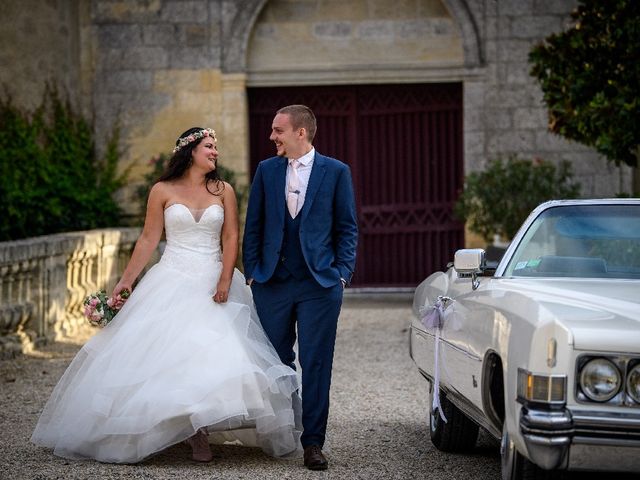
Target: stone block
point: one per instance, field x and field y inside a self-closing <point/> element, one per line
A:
<point x="414" y="29"/>
<point x="162" y="34"/>
<point x="474" y="143"/>
<point x="136" y="58"/>
<point x="128" y="81"/>
<point x="119" y="36"/>
<point x="498" y="118"/>
<point x="291" y="10"/>
<point x="536" y="27"/>
<point x="510" y="141"/>
<point x="192" y="11"/>
<point x="474" y="94"/>
<point x="517" y="73"/>
<point x="196" y="35"/>
<point x="474" y="120"/>
<point x="549" y="142"/>
<point x="561" y="7"/>
<point x="514" y="50"/>
<point x="125" y="11"/>
<point x="194" y="57"/>
<point x="375" y="30"/>
<point x="264" y="31"/>
<point x="332" y="30"/>
<point x="530" y="118"/>
<point x="515" y="7"/>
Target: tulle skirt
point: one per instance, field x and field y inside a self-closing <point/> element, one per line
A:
<point x="173" y="361"/>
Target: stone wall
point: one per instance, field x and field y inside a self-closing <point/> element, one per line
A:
<point x="504" y="110"/>
<point x="41" y="42"/>
<point x="44" y="280"/>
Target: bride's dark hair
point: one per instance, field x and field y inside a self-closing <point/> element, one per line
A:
<point x="181" y="160"/>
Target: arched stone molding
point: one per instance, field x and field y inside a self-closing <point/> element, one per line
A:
<point x="473" y="56"/>
<point x="238" y="20"/>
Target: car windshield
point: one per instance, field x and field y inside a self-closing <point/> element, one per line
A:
<point x="588" y="241"/>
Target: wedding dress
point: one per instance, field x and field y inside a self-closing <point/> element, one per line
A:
<point x="173" y="361"/>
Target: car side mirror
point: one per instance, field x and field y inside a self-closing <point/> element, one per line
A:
<point x="470" y="262"/>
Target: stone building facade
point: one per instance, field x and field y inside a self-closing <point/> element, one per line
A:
<point x="160" y="66"/>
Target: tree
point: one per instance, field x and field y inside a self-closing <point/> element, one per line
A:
<point x="590" y="77"/>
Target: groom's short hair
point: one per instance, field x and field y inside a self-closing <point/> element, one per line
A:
<point x="301" y="117"/>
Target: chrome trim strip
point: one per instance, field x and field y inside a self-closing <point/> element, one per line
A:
<point x="426" y="335"/>
<point x="617" y="442"/>
<point x="606" y="420"/>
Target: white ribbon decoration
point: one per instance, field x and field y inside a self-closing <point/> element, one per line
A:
<point x="433" y="317"/>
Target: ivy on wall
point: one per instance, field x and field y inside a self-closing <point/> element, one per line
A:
<point x="51" y="179"/>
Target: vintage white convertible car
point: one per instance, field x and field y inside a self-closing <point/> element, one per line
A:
<point x="542" y="350"/>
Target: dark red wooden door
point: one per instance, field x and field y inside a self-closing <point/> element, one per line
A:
<point x="404" y="146"/>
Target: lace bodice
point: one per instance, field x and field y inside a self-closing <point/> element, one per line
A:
<point x="193" y="237"/>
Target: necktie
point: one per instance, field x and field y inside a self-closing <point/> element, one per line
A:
<point x="293" y="189"/>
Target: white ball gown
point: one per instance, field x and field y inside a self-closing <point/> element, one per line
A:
<point x="173" y="361"/>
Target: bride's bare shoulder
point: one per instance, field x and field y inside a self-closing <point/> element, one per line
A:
<point x="161" y="192"/>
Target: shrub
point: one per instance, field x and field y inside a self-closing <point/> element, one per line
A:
<point x="50" y="178"/>
<point x="499" y="199"/>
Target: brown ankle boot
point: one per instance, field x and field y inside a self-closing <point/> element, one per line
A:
<point x="201" y="452"/>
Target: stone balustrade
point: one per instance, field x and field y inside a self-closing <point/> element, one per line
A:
<point x="44" y="280"/>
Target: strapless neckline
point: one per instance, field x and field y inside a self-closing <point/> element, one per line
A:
<point x="192" y="210"/>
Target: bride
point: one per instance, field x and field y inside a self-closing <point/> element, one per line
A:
<point x="185" y="359"/>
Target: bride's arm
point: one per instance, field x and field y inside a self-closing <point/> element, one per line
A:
<point x="229" y="244"/>
<point x="148" y="240"/>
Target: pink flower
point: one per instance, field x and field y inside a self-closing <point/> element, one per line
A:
<point x="94" y="301"/>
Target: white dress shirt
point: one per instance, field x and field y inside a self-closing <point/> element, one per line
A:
<point x="304" y="172"/>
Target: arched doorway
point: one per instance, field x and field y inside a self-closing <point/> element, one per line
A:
<point x="373" y="74"/>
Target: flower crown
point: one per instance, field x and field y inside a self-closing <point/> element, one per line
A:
<point x="192" y="137"/>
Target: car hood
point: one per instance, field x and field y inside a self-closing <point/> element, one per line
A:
<point x="600" y="314"/>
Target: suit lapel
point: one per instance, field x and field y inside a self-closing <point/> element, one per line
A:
<point x="315" y="179"/>
<point x="278" y="178"/>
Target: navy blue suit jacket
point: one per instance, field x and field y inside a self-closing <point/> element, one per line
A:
<point x="328" y="224"/>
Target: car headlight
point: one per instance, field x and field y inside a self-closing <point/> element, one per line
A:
<point x="600" y="379"/>
<point x="633" y="383"/>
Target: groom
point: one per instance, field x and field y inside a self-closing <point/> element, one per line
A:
<point x="299" y="252"/>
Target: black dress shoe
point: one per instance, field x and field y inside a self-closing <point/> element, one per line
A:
<point x="314" y="459"/>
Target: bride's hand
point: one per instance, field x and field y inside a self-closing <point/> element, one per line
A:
<point x="121" y="285"/>
<point x="222" y="291"/>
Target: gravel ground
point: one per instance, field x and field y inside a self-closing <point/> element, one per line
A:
<point x="377" y="426"/>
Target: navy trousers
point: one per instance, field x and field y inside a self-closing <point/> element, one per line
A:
<point x="284" y="304"/>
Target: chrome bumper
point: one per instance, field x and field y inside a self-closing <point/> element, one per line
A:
<point x="582" y="440"/>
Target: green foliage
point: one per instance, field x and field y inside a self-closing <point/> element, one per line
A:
<point x="50" y="178"/>
<point x="589" y="76"/>
<point x="499" y="199"/>
<point x="158" y="165"/>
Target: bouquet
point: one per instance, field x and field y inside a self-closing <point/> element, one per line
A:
<point x="100" y="309"/>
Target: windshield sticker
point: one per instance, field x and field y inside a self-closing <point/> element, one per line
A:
<point x="521" y="265"/>
<point x="533" y="263"/>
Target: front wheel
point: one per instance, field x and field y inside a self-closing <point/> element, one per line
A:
<point x="458" y="434"/>
<point x="516" y="466"/>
